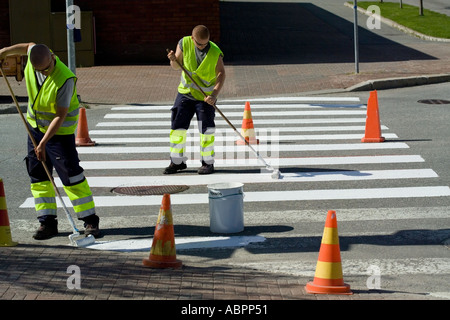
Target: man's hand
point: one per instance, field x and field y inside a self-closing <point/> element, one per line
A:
<point x="40" y="151"/>
<point x="210" y="100"/>
<point x="171" y="55"/>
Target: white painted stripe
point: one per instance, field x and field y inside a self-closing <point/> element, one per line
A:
<point x="155" y="115"/>
<point x="226" y="130"/>
<point x="219" y="121"/>
<point x="297" y="99"/>
<point x="181" y="243"/>
<point x="269" y="196"/>
<point x="242" y="149"/>
<point x="360" y="267"/>
<point x="306" y="176"/>
<point x="309" y="161"/>
<point x="233" y="137"/>
<point x="242" y="106"/>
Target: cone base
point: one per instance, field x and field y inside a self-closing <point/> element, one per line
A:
<point x="9" y="244"/>
<point x="250" y="141"/>
<point x="5" y="237"/>
<point x="380" y="139"/>
<point x="314" y="288"/>
<point x="85" y="143"/>
<point x="162" y="264"/>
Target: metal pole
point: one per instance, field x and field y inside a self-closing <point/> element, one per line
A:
<point x="355" y="7"/>
<point x="70" y="40"/>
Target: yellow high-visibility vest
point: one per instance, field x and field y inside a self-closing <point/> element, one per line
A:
<point x="42" y="102"/>
<point x="204" y="74"/>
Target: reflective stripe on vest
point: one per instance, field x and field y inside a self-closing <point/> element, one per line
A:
<point x="204" y="74"/>
<point x="42" y="102"/>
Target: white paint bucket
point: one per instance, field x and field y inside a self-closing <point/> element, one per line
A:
<point x="226" y="207"/>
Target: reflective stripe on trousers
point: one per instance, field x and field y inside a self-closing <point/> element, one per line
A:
<point x="80" y="195"/>
<point x="178" y="146"/>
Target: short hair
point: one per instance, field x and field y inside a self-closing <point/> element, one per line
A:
<point x="201" y="32"/>
<point x="39" y="54"/>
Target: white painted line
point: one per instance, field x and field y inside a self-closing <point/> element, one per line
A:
<point x="181" y="243"/>
<point x="296" y="99"/>
<point x="252" y="162"/>
<point x="253" y="106"/>
<point x="155" y="115"/>
<point x="270" y="196"/>
<point x="233" y="137"/>
<point x="121" y="132"/>
<point x="219" y="121"/>
<point x="360" y="267"/>
<point x="261" y="148"/>
<point x="307" y="176"/>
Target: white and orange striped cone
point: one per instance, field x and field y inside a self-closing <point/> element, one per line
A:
<point x="163" y="253"/>
<point x="328" y="278"/>
<point x="5" y="229"/>
<point x="247" y="129"/>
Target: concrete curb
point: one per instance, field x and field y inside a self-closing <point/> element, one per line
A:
<point x="392" y="83"/>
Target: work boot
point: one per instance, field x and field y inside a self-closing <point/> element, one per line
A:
<point x="206" y="168"/>
<point x="47" y="230"/>
<point x="91" y="225"/>
<point x="174" y="168"/>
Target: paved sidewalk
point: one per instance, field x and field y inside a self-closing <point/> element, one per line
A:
<point x="41" y="272"/>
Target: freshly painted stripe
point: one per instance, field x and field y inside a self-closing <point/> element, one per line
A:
<point x="121" y="132"/>
<point x="181" y="243"/>
<point x="234" y="137"/>
<point x="253" y="106"/>
<point x="309" y="161"/>
<point x="307" y="176"/>
<point x="297" y="99"/>
<point x="242" y="149"/>
<point x="278" y="113"/>
<point x="166" y="123"/>
<point x="270" y="196"/>
<point x="361" y="267"/>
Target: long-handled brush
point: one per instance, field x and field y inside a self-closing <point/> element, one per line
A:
<point x="72" y="238"/>
<point x="275" y="172"/>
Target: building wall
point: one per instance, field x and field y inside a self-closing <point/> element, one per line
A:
<point x="136" y="31"/>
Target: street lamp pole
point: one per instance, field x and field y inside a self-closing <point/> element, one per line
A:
<point x="355" y="9"/>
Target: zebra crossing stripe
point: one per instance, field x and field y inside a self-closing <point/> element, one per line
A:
<point x="155" y="115"/>
<point x="270" y="196"/>
<point x="306" y="176"/>
<point x="233" y="137"/>
<point x="253" y="162"/>
<point x="241" y="107"/>
<point x="121" y="132"/>
<point x="221" y="122"/>
<point x="242" y="149"/>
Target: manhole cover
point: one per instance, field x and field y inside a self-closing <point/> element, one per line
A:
<point x="434" y="101"/>
<point x="149" y="190"/>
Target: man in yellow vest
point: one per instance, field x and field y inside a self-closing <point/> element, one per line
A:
<point x="52" y="118"/>
<point x="203" y="60"/>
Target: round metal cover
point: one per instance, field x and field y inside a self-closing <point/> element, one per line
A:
<point x="434" y="101"/>
<point x="149" y="190"/>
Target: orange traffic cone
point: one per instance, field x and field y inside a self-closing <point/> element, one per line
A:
<point x="5" y="230"/>
<point x="163" y="253"/>
<point x="248" y="130"/>
<point x="83" y="139"/>
<point x="328" y="278"/>
<point x="373" y="128"/>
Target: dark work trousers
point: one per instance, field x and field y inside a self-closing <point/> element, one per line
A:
<point x="184" y="109"/>
<point x="61" y="154"/>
